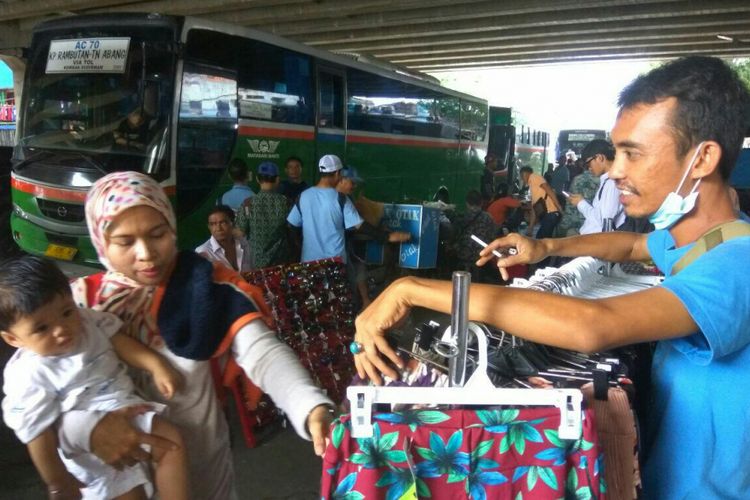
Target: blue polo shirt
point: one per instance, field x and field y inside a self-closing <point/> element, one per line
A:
<point x="236" y="196"/>
<point x="323" y="222"/>
<point x="699" y="430"/>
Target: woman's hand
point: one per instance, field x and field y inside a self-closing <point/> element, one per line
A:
<point x="166" y="379"/>
<point x="528" y="251"/>
<point x="118" y="443"/>
<point x="318" y="425"/>
<point x="385" y="312"/>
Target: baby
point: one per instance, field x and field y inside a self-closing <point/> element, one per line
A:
<point x="69" y="359"/>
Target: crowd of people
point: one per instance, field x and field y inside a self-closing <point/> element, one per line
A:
<point x="169" y="313"/>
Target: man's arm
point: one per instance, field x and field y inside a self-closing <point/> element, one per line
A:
<point x="572" y="323"/>
<point x="60" y="483"/>
<point x="381" y="235"/>
<point x="615" y="246"/>
<point x="582" y="205"/>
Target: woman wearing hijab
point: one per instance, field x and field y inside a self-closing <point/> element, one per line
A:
<point x="189" y="310"/>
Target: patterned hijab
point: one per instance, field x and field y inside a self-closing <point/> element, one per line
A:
<point x="113" y="194"/>
<point x="200" y="306"/>
<point x="113" y="291"/>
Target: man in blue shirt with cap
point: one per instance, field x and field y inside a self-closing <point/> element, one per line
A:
<point x="322" y="217"/>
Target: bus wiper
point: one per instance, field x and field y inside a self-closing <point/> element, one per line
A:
<point x="91" y="162"/>
<point x="36" y="155"/>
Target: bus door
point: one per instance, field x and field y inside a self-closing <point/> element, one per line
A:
<point x="502" y="144"/>
<point x="206" y="134"/>
<point x="330" y="118"/>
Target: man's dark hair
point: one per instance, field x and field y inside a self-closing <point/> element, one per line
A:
<point x="26" y="284"/>
<point x="238" y="170"/>
<point x="222" y="209"/>
<point x="598" y="147"/>
<point x="266" y="178"/>
<point x="294" y="158"/>
<point x="527" y="170"/>
<point x="474" y="198"/>
<point x="712" y="104"/>
<point x="442" y="194"/>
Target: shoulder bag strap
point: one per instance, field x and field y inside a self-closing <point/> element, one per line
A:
<point x="712" y="238"/>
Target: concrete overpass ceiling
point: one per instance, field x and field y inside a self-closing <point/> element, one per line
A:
<point x="438" y="35"/>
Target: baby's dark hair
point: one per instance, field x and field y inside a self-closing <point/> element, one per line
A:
<point x="26" y="284"/>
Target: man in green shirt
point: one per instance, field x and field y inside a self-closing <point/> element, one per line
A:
<point x="262" y="219"/>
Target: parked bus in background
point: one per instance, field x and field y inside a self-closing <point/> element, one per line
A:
<point x="516" y="145"/>
<point x="179" y="98"/>
<point x="575" y="140"/>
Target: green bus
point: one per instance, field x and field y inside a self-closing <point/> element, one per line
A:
<point x="206" y="93"/>
<point x="516" y="145"/>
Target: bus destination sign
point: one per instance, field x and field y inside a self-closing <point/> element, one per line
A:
<point x="88" y="55"/>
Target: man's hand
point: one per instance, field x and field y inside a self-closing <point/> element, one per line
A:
<point x="398" y="237"/>
<point x="575" y="199"/>
<point x="318" y="425"/>
<point x="118" y="443"/>
<point x="385" y="312"/>
<point x="166" y="379"/>
<point x="528" y="251"/>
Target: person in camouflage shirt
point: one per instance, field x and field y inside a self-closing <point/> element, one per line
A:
<point x="478" y="222"/>
<point x="586" y="185"/>
<point x="262" y="219"/>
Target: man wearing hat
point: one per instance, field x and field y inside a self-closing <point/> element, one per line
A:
<point x="323" y="216"/>
<point x="598" y="156"/>
<point x="262" y="219"/>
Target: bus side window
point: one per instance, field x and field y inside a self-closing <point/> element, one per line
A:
<point x="331" y="113"/>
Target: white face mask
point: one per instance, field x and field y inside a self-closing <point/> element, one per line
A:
<point x="674" y="206"/>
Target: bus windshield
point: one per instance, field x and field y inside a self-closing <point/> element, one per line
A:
<point x="112" y="109"/>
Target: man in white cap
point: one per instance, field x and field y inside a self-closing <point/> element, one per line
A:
<point x="324" y="215"/>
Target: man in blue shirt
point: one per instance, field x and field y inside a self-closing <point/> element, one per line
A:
<point x="323" y="218"/>
<point x="235" y="197"/>
<point x="677" y="138"/>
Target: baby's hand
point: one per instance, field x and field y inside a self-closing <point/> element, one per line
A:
<point x="167" y="380"/>
<point x="67" y="488"/>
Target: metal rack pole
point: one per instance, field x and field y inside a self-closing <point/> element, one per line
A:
<point x="459" y="326"/>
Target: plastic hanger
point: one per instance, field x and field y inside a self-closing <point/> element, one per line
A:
<point x="478" y="390"/>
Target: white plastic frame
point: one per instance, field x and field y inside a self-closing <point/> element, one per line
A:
<point x="478" y="390"/>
